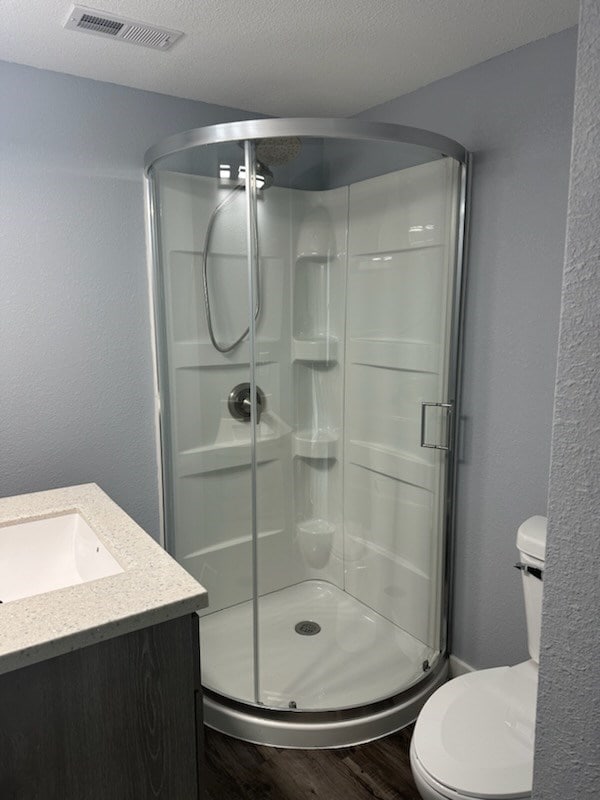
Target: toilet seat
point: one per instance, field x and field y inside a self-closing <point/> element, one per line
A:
<point x="474" y="736"/>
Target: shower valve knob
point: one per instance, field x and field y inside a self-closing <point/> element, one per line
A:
<point x="240" y="405"/>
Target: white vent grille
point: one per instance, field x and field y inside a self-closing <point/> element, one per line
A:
<point x="89" y="20"/>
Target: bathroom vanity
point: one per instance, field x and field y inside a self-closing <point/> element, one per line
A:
<point x="99" y="679"/>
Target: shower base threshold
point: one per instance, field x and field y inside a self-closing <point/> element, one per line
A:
<point x="356" y="679"/>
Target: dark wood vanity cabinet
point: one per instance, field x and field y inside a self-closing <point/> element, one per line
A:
<point x="117" y="720"/>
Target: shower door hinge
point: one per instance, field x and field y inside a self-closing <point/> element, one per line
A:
<point x="449" y="408"/>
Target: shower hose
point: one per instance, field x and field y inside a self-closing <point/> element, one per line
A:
<point x="227" y="348"/>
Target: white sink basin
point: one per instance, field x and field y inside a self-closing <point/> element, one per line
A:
<point x="41" y="555"/>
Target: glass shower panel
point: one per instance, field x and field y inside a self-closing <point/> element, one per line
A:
<point x="207" y="460"/>
<point x="302" y="262"/>
<point x="401" y="265"/>
<point x="273" y="431"/>
<point x="356" y="276"/>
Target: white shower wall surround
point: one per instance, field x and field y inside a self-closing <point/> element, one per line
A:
<point x="356" y="288"/>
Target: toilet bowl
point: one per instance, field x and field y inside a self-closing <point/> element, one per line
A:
<point x="474" y="737"/>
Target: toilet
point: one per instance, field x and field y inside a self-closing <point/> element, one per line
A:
<point x="474" y="737"/>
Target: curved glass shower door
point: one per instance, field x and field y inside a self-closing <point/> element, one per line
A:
<point x="201" y="207"/>
<point x="358" y="277"/>
<point x="307" y="322"/>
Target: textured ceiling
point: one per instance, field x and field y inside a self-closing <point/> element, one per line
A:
<point x="284" y="57"/>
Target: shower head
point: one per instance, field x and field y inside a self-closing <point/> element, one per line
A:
<point x="277" y="151"/>
<point x="273" y="152"/>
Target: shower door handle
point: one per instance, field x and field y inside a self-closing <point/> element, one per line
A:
<point x="450" y="408"/>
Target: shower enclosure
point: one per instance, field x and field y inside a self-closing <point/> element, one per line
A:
<point x="307" y="284"/>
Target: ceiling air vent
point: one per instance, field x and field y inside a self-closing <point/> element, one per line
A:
<point x="100" y="23"/>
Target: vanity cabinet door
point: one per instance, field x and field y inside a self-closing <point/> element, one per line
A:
<point x="120" y="719"/>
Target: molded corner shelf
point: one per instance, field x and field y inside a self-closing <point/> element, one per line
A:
<point x="315" y="539"/>
<point x="315" y="256"/>
<point x="324" y="351"/>
<point x="315" y="527"/>
<point x="316" y="444"/>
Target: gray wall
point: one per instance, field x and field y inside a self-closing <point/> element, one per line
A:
<point x="514" y="112"/>
<point x="76" y="399"/>
<point x="567" y="764"/>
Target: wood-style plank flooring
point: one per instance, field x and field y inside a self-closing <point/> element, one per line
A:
<point x="380" y="770"/>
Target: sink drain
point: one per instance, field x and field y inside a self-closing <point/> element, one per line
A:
<point x="307" y="627"/>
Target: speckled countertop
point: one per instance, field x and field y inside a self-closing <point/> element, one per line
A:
<point x="151" y="589"/>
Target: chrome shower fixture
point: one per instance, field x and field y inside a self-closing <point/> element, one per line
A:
<point x="262" y="171"/>
<point x="264" y="176"/>
<point x="240" y="404"/>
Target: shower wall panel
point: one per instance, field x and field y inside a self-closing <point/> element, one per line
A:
<point x="210" y="451"/>
<point x="401" y="253"/>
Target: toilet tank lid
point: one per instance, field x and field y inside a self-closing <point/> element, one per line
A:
<point x="531" y="537"/>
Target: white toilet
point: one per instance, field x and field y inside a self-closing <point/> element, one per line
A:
<point x="474" y="737"/>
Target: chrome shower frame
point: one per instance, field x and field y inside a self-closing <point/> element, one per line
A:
<point x="336" y="728"/>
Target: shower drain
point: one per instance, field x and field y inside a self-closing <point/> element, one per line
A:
<point x="307" y="628"/>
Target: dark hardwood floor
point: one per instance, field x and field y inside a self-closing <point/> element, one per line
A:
<point x="240" y="771"/>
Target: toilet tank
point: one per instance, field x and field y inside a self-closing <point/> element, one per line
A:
<point x="531" y="543"/>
